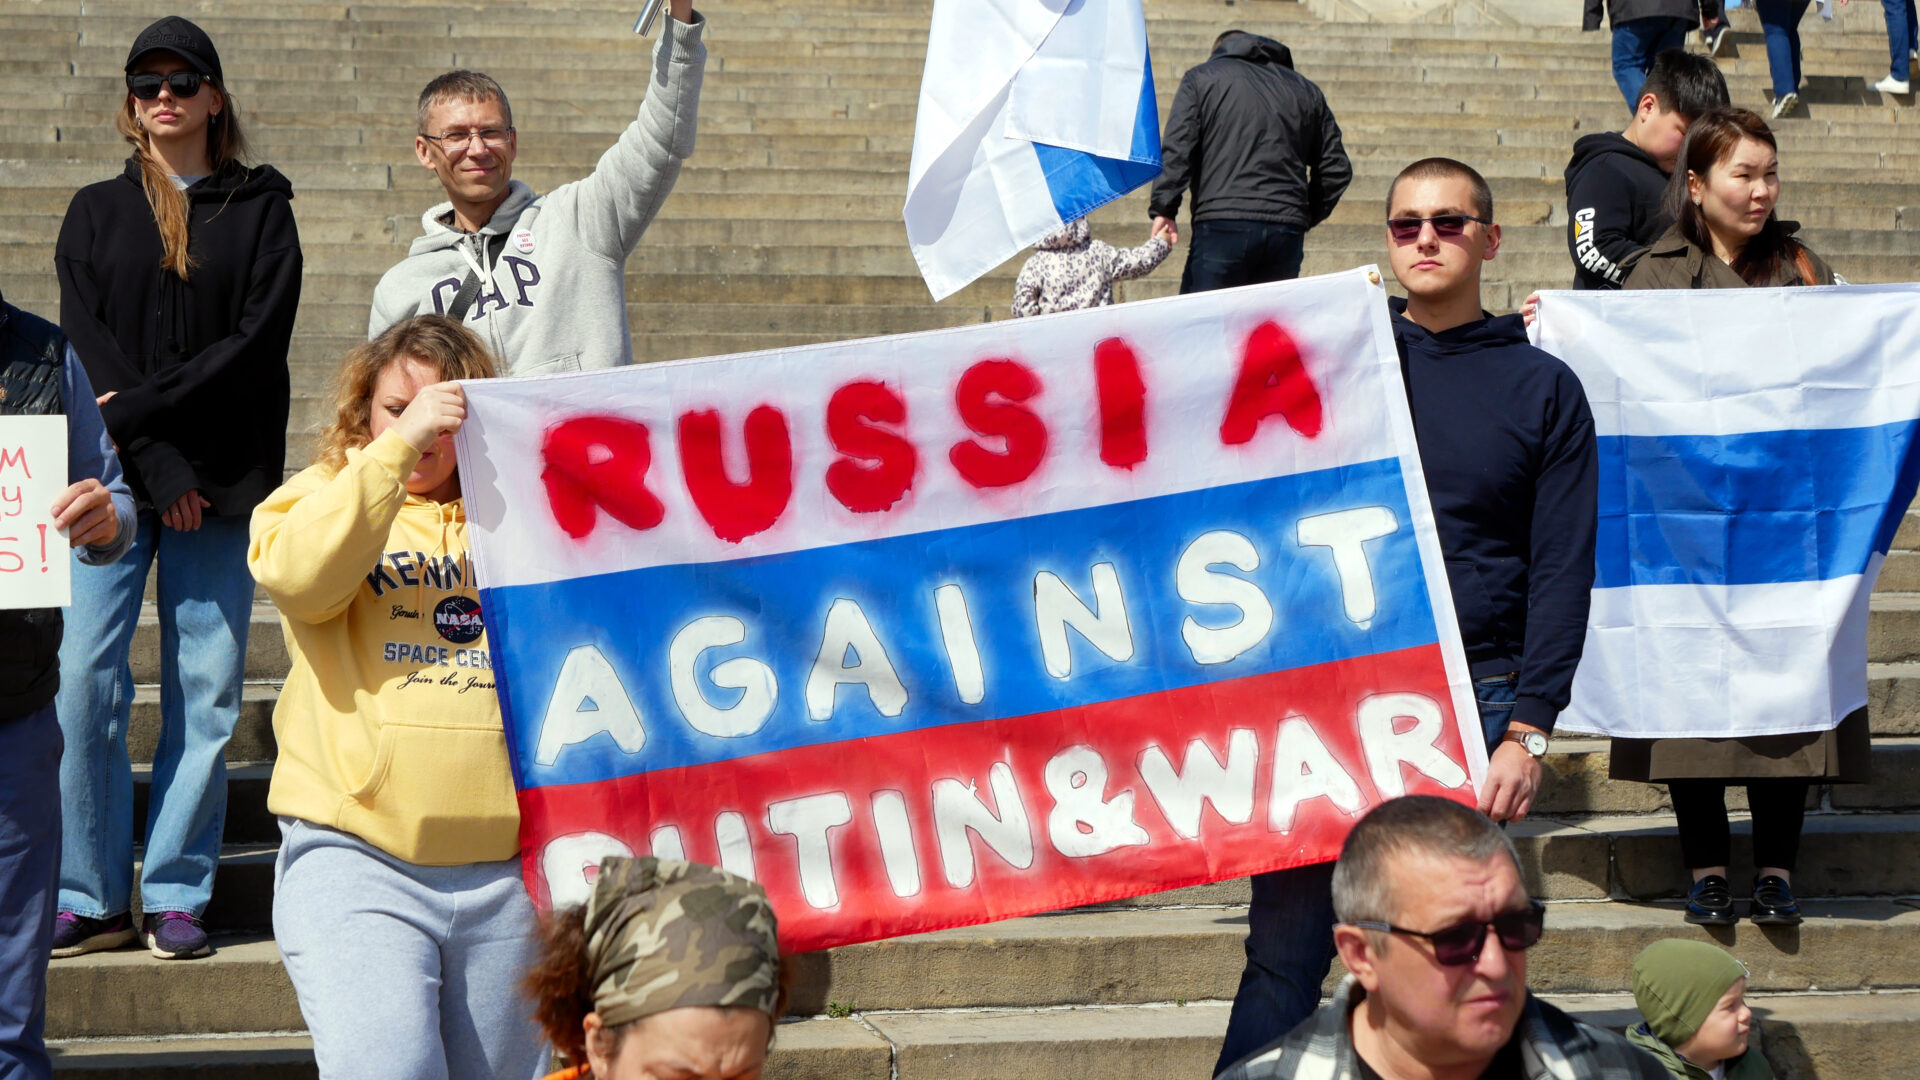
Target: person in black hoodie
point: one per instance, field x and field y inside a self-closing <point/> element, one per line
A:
<point x="178" y="285"/>
<point x="1506" y="442"/>
<point x="1616" y="183"/>
<point x="1258" y="145"/>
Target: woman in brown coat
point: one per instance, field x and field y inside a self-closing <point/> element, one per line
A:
<point x="1726" y="236"/>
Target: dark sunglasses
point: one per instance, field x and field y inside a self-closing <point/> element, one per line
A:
<point x="1456" y="945"/>
<point x="146" y="85"/>
<point x="1408" y="228"/>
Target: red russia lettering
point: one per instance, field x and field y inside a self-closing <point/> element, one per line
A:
<point x="596" y="463"/>
<point x="737" y="511"/>
<point x="1023" y="433"/>
<point x="878" y="465"/>
<point x="1272" y="380"/>
<point x="1123" y="404"/>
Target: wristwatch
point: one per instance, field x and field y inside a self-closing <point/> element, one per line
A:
<point x="1533" y="742"/>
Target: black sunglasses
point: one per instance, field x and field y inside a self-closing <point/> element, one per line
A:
<point x="1408" y="228"/>
<point x="146" y="85"/>
<point x="1461" y="944"/>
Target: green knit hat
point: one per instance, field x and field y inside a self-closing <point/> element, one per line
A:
<point x="1677" y="983"/>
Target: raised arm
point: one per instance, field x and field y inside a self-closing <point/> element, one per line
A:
<point x="1125" y="264"/>
<point x="315" y="537"/>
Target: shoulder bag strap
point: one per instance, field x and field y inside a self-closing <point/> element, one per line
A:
<point x="470" y="287"/>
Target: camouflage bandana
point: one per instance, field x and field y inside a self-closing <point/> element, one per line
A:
<point x="663" y="934"/>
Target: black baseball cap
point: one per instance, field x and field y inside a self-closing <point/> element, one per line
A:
<point x="177" y="35"/>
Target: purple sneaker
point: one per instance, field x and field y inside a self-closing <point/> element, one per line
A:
<point x="77" y="934"/>
<point x="174" y="935"/>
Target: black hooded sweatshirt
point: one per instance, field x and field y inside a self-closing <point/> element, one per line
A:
<point x="1253" y="138"/>
<point x="198" y="368"/>
<point x="1506" y="441"/>
<point x="1614" y="195"/>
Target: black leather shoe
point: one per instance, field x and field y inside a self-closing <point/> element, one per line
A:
<point x="1710" y="902"/>
<point x="1773" y="902"/>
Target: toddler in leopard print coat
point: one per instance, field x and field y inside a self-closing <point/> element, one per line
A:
<point x="1070" y="270"/>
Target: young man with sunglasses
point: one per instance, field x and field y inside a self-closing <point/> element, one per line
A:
<point x="1434" y="928"/>
<point x="1506" y="443"/>
<point x="541" y="278"/>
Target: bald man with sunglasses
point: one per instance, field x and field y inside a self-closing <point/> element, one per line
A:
<point x="1434" y="927"/>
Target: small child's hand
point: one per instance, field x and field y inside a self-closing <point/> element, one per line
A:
<point x="1165" y="229"/>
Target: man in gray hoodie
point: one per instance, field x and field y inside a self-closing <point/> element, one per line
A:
<point x="541" y="278"/>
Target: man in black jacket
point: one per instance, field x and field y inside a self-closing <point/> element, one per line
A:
<point x="1643" y="29"/>
<point x="40" y="376"/>
<point x="1616" y="184"/>
<point x="1506" y="442"/>
<point x="1260" y="149"/>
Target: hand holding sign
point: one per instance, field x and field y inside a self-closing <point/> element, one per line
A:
<point x="84" y="512"/>
<point x="34" y="568"/>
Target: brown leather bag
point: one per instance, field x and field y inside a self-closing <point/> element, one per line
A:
<point x="1803" y="264"/>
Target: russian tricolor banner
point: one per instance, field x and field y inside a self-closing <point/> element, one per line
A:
<point x="1757" y="451"/>
<point x="955" y="626"/>
<point x="1032" y="113"/>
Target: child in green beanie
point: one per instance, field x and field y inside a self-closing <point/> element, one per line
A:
<point x="1693" y="996"/>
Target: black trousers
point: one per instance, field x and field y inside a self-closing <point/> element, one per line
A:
<point x="1223" y="254"/>
<point x="1779" y="809"/>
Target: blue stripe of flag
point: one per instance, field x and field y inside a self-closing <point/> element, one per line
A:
<point x="1756" y="508"/>
<point x="1081" y="182"/>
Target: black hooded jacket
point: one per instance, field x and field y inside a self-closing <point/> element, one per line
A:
<point x="1614" y="195"/>
<point x="1253" y="139"/>
<point x="198" y="368"/>
<point x="1506" y="441"/>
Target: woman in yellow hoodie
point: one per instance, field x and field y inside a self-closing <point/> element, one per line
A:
<point x="398" y="905"/>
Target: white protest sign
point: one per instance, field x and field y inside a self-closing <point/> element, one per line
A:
<point x="34" y="568"/>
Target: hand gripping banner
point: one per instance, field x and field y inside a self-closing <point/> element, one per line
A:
<point x="957" y="626"/>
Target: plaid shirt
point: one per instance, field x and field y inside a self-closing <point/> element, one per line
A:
<point x="1553" y="1046"/>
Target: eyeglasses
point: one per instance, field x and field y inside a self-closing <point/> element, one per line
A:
<point x="462" y="141"/>
<point x="1408" y="228"/>
<point x="1518" y="931"/>
<point x="146" y="85"/>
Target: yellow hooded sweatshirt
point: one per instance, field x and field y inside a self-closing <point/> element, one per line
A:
<point x="388" y="725"/>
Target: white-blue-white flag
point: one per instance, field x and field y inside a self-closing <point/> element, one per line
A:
<point x="1032" y="113"/>
<point x="1757" y="453"/>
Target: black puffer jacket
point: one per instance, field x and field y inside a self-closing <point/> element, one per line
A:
<point x="198" y="367"/>
<point x="1254" y="139"/>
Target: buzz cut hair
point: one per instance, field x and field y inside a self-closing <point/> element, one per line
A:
<point x="1427" y="824"/>
<point x="470" y="86"/>
<point x="1443" y="168"/>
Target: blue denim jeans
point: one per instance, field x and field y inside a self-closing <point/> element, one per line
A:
<point x="1903" y="34"/>
<point x="1636" y="42"/>
<point x="1223" y="254"/>
<point x="1290" y="927"/>
<point x="205" y="602"/>
<point x="1780" y="22"/>
<point x="29" y="883"/>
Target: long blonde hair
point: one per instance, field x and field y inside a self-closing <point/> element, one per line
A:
<point x="451" y="350"/>
<point x="225" y="143"/>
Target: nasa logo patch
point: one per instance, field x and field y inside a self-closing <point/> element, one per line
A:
<point x="457" y="619"/>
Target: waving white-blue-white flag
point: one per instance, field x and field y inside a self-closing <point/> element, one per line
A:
<point x="1757" y="453"/>
<point x="1032" y="113"/>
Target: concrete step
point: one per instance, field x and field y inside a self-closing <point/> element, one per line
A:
<point x="248" y="823"/>
<point x="1574" y="781"/>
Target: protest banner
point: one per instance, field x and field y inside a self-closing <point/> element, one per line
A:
<point x="35" y="569"/>
<point x="1757" y="454"/>
<point x="955" y="626"/>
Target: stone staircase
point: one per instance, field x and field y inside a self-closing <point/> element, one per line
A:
<point x="785" y="229"/>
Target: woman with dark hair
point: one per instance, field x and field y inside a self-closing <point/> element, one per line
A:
<point x="1726" y="236"/>
<point x="178" y="284"/>
<point x="669" y="969"/>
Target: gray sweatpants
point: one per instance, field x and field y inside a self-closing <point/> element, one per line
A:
<point x="405" y="971"/>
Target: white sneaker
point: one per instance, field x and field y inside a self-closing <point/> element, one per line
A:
<point x="1891" y="85"/>
<point x="1784" y="104"/>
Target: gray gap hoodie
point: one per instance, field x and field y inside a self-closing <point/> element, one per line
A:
<point x="556" y="300"/>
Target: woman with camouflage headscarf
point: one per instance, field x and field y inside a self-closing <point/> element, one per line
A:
<point x="668" y="968"/>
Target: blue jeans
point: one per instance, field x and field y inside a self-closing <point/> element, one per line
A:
<point x="205" y="603"/>
<point x="1223" y="254"/>
<point x="1780" y="21"/>
<point x="1636" y="42"/>
<point x="1290" y="927"/>
<point x="29" y="884"/>
<point x="1903" y="33"/>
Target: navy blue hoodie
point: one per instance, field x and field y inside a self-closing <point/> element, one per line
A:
<point x="1506" y="441"/>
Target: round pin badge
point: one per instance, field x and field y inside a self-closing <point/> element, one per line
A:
<point x="523" y="241"/>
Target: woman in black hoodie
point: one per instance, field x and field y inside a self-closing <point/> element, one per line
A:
<point x="178" y="285"/>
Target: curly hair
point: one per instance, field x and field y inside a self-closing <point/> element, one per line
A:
<point x="451" y="350"/>
<point x="561" y="986"/>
